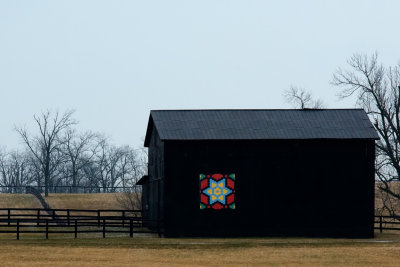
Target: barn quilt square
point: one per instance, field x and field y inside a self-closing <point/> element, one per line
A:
<point x="217" y="191"/>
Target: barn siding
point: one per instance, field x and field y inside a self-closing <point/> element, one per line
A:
<point x="287" y="187"/>
<point x="156" y="179"/>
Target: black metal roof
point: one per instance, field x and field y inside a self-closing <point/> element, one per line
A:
<point x="260" y="124"/>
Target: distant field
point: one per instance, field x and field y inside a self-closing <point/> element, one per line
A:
<point x="62" y="201"/>
<point x="382" y="251"/>
<point x="389" y="200"/>
<point x="84" y="201"/>
<point x="107" y="201"/>
<point x="19" y="201"/>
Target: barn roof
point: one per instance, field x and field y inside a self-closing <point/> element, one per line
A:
<point x="260" y="124"/>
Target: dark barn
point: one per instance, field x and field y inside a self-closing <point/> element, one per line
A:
<point x="260" y="173"/>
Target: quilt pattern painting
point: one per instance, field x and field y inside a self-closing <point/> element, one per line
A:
<point x="217" y="191"/>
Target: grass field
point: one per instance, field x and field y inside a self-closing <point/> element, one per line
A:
<point x="83" y="201"/>
<point x="92" y="250"/>
<point x="150" y="251"/>
<point x="62" y="201"/>
<point x="19" y="201"/>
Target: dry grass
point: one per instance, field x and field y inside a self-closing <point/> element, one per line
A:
<point x="19" y="201"/>
<point x="83" y="201"/>
<point x="383" y="199"/>
<point x="201" y="252"/>
<point x="63" y="250"/>
<point x="62" y="201"/>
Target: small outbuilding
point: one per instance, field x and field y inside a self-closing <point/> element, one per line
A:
<point x="306" y="172"/>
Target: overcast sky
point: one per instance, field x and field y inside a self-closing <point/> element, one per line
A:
<point x="114" y="61"/>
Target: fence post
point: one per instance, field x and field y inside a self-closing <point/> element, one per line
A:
<point x="38" y="217"/>
<point x="104" y="228"/>
<point x="76" y="228"/>
<point x="123" y="218"/>
<point x="380" y="223"/>
<point x="98" y="218"/>
<point x="47" y="229"/>
<point x="130" y="227"/>
<point x="54" y="213"/>
<point x="17" y="229"/>
<point x="68" y="217"/>
<point x="9" y="216"/>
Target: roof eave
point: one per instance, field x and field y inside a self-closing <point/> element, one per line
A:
<point x="270" y="139"/>
<point x="150" y="126"/>
<point x="143" y="180"/>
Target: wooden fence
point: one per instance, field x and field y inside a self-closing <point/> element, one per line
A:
<point x="67" y="189"/>
<point x="74" y="221"/>
<point x="387" y="223"/>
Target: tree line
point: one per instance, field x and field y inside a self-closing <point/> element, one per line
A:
<point x="59" y="155"/>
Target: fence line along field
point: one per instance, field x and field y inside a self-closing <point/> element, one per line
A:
<point x="149" y="250"/>
<point x="70" y="215"/>
<point x="63" y="201"/>
<point x="103" y="201"/>
<point x="72" y="221"/>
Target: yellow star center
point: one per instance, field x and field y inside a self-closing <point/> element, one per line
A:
<point x="217" y="191"/>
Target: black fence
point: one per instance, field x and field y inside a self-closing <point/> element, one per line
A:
<point x="387" y="223"/>
<point x="75" y="221"/>
<point x="67" y="189"/>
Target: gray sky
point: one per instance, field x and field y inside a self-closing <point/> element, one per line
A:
<point x="114" y="61"/>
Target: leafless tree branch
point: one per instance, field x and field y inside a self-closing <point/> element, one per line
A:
<point x="300" y="98"/>
<point x="378" y="92"/>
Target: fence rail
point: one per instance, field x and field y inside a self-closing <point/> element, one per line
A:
<point x="74" y="221"/>
<point x="67" y="189"/>
<point x="387" y="223"/>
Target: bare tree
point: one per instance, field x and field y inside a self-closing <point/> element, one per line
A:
<point x="34" y="169"/>
<point x="300" y="98"/>
<point x="5" y="172"/>
<point x="14" y="171"/>
<point x="378" y="91"/>
<point x="131" y="199"/>
<point x="102" y="170"/>
<point x="44" y="146"/>
<point x="79" y="150"/>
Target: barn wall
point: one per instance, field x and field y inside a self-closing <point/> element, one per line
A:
<point x="305" y="188"/>
<point x="155" y="186"/>
<point x="145" y="200"/>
